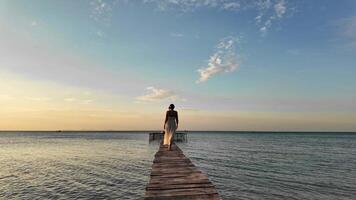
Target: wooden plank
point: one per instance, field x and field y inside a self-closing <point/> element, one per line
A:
<point x="174" y="170"/>
<point x="187" y="176"/>
<point x="174" y="176"/>
<point x="159" y="174"/>
<point x="168" y="165"/>
<point x="179" y="186"/>
<point x="184" y="191"/>
<point x="167" y="181"/>
<point x="190" y="197"/>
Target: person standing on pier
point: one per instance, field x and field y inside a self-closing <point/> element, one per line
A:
<point x="170" y="126"/>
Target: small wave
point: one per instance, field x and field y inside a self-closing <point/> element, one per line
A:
<point x="9" y="176"/>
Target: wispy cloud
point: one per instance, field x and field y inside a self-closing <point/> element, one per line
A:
<point x="6" y="97"/>
<point x="157" y="94"/>
<point x="294" y="52"/>
<point x="231" y="6"/>
<point x="42" y="99"/>
<point x="78" y="100"/>
<point x="347" y="28"/>
<point x="224" y="60"/>
<point x="100" y="34"/>
<point x="33" y="23"/>
<point x="280" y="8"/>
<point x="269" y="11"/>
<point x="177" y="35"/>
<point x="191" y="5"/>
<point x="87" y="101"/>
<point x="101" y="10"/>
<point x="70" y="99"/>
<point x="87" y="93"/>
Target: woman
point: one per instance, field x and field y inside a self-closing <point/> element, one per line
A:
<point x="170" y="126"/>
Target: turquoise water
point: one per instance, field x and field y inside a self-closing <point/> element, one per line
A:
<point x="90" y="165"/>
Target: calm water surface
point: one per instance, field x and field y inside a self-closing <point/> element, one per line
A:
<point x="89" y="165"/>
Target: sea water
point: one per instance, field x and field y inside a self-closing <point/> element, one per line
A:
<point x="116" y="165"/>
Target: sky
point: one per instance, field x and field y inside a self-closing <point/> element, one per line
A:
<point x="272" y="65"/>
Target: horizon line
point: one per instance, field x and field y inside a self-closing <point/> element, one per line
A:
<point x="240" y="131"/>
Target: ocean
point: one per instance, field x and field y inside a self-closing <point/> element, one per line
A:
<point x="116" y="165"/>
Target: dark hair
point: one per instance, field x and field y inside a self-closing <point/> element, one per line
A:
<point x="171" y="106"/>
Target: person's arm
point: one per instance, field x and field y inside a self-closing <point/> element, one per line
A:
<point x="177" y="118"/>
<point x="165" y="121"/>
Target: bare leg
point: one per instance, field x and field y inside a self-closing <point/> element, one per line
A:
<point x="170" y="142"/>
<point x="169" y="145"/>
<point x="165" y="138"/>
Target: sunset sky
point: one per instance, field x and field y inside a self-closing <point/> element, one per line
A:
<point x="226" y="64"/>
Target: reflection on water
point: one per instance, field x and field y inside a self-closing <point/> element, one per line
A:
<point x="81" y="165"/>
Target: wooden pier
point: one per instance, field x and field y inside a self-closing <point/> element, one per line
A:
<point x="174" y="176"/>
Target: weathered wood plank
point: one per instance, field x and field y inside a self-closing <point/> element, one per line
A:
<point x="174" y="170"/>
<point x="174" y="176"/>
<point x="179" y="186"/>
<point x="184" y="191"/>
<point x="183" y="197"/>
<point x="187" y="176"/>
<point x="169" y="165"/>
<point x="180" y="181"/>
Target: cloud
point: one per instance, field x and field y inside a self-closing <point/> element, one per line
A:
<point x="280" y="8"/>
<point x="78" y="100"/>
<point x="101" y="10"/>
<point x="156" y="94"/>
<point x="100" y="34"/>
<point x="192" y="5"/>
<point x="87" y="93"/>
<point x="38" y="98"/>
<point x="263" y="30"/>
<point x="87" y="101"/>
<point x="33" y="23"/>
<point x="347" y="29"/>
<point x="6" y="97"/>
<point x="294" y="52"/>
<point x="70" y="99"/>
<point x="231" y="6"/>
<point x="224" y="60"/>
<point x="184" y="5"/>
<point x="177" y="35"/>
<point x="269" y="11"/>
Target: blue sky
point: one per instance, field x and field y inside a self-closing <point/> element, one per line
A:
<point x="220" y="59"/>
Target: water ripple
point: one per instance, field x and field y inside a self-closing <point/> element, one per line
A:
<point x="39" y="165"/>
